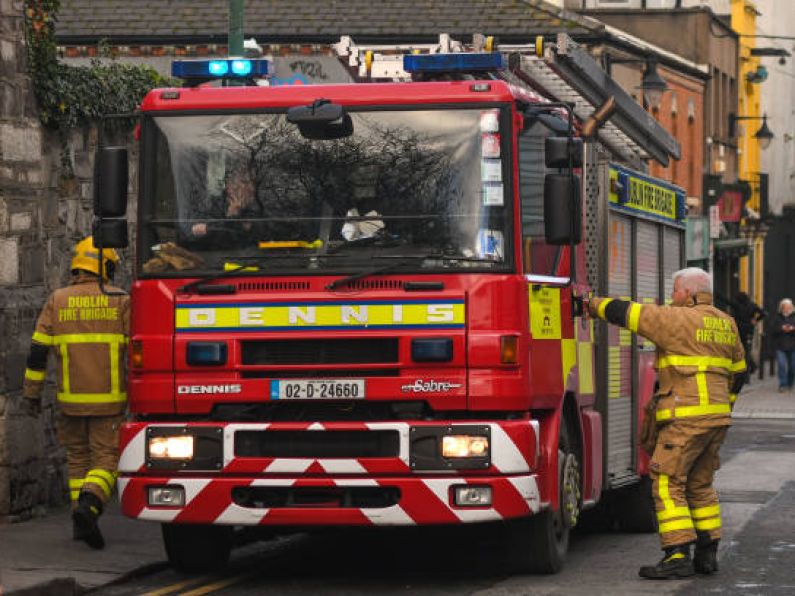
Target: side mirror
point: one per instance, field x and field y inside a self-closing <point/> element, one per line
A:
<point x="562" y="209"/>
<point x="110" y="233"/>
<point x="558" y="149"/>
<point x="110" y="182"/>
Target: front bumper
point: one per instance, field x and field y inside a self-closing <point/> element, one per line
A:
<point x="421" y="501"/>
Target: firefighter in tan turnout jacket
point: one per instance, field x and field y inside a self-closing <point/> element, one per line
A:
<point x="701" y="368"/>
<point x="87" y="330"/>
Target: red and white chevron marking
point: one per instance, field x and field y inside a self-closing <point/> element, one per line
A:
<point x="424" y="498"/>
<point x="422" y="501"/>
<point x="514" y="449"/>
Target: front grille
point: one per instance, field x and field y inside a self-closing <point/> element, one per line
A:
<point x="272" y="497"/>
<point x="375" y="284"/>
<point x="347" y="444"/>
<point x="251" y="286"/>
<point x="326" y="351"/>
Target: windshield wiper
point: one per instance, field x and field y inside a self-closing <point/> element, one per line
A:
<point x="403" y="260"/>
<point x="198" y="285"/>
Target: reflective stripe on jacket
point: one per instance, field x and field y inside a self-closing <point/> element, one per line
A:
<point x="88" y="331"/>
<point x="698" y="353"/>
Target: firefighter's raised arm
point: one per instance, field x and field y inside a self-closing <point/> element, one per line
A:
<point x="647" y="320"/>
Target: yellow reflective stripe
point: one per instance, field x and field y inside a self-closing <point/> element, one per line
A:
<point x="43" y="338"/>
<point x="675" y="557"/>
<point x="672" y="513"/>
<point x="102" y="482"/>
<point x="109" y="476"/>
<point x="74" y="495"/>
<point x="76" y="482"/>
<point x="634" y="317"/>
<point x="732" y="398"/>
<point x="738" y="366"/>
<point x="700" y="361"/>
<point x="670" y="509"/>
<point x="66" y="380"/>
<point x="600" y="312"/>
<point x="665" y="495"/>
<point x="663" y="414"/>
<point x="703" y="392"/>
<point x="708" y="524"/>
<point x="690" y="411"/>
<point x="90" y="338"/>
<point x="114" y="341"/>
<point x="702" y="512"/>
<point x="90" y="398"/>
<point x="34" y="375"/>
<point x="114" y="367"/>
<point x="679" y="524"/>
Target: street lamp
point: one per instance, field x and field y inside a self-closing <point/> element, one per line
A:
<point x="652" y="84"/>
<point x="764" y="135"/>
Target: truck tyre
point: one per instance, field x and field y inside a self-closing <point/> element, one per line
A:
<point x="633" y="508"/>
<point x="197" y="548"/>
<point x="540" y="542"/>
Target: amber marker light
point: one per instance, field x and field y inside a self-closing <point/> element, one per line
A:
<point x="137" y="353"/>
<point x="509" y="349"/>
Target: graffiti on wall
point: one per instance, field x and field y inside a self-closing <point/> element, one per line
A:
<point x="308" y="70"/>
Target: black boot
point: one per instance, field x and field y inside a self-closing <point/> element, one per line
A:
<point x="85" y="519"/>
<point x="77" y="530"/>
<point x="705" y="558"/>
<point x="675" y="564"/>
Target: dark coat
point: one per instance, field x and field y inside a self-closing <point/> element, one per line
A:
<point x="783" y="340"/>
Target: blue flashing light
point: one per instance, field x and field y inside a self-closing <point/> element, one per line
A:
<point x="218" y="68"/>
<point x="461" y="62"/>
<point x="241" y="67"/>
<point x="210" y="69"/>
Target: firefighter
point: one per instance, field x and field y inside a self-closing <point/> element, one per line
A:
<point x="87" y="329"/>
<point x="701" y="369"/>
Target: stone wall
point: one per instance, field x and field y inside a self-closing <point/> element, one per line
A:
<point x="41" y="217"/>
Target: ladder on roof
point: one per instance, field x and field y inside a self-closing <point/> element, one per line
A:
<point x="557" y="72"/>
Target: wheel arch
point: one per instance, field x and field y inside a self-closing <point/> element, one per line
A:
<point x="550" y="424"/>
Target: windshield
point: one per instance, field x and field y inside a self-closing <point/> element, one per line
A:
<point x="249" y="192"/>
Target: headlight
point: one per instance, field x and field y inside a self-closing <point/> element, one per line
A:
<point x="177" y="447"/>
<point x="465" y="446"/>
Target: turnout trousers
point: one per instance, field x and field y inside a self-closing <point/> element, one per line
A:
<point x="92" y="453"/>
<point x="682" y="470"/>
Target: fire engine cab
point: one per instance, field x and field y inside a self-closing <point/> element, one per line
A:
<point x="361" y="304"/>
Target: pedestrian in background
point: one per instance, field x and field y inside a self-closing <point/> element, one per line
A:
<point x="747" y="314"/>
<point x="87" y="329"/>
<point x="701" y="368"/>
<point x="783" y="331"/>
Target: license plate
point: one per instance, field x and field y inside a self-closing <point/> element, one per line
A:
<point x="318" y="389"/>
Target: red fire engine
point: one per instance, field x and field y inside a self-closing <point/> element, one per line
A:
<point x="361" y="304"/>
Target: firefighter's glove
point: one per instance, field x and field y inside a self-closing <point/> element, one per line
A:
<point x="585" y="306"/>
<point x="579" y="306"/>
<point x="30" y="406"/>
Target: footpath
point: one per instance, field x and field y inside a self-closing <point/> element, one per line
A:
<point x="38" y="557"/>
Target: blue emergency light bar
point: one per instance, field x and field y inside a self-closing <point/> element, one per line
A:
<point x="461" y="62"/>
<point x="217" y="69"/>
